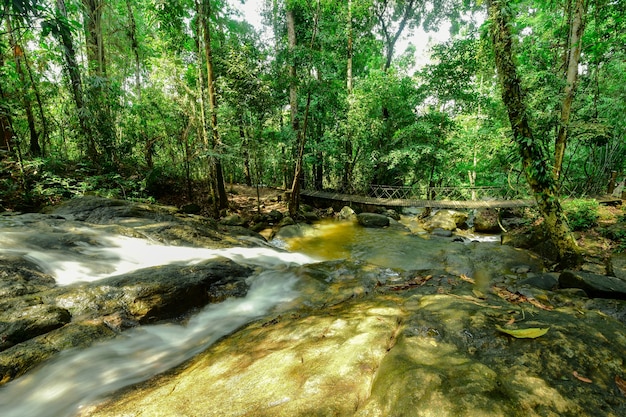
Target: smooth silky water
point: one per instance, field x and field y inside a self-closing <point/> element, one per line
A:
<point x="392" y="247"/>
<point x="73" y="379"/>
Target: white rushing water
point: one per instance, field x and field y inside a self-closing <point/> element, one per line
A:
<point x="76" y="378"/>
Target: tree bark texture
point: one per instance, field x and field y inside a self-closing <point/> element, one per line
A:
<point x="18" y="55"/>
<point x="574" y="46"/>
<point x="218" y="175"/>
<point x="538" y="175"/>
<point x="71" y="65"/>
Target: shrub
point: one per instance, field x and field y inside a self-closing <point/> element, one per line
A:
<point x="582" y="214"/>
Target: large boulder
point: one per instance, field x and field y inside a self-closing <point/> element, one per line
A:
<point x="600" y="286"/>
<point x="33" y="332"/>
<point x="486" y="221"/>
<point x="446" y="220"/>
<point x="372" y="220"/>
<point x="346" y="213"/>
<point x="157" y="293"/>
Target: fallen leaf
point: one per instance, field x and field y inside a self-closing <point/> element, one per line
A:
<point x="467" y="279"/>
<point x="581" y="378"/>
<point x="479" y="294"/>
<point x="529" y="333"/>
<point x="621" y="385"/>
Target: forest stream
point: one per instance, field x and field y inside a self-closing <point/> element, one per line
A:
<point x="119" y="309"/>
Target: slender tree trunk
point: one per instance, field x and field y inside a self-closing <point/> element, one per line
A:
<point x="574" y="45"/>
<point x="245" y="145"/>
<point x="218" y="175"/>
<point x="18" y="55"/>
<point x="94" y="38"/>
<point x="538" y="175"/>
<point x="42" y="114"/>
<point x="293" y="81"/>
<point x="294" y="199"/>
<point x="98" y="103"/>
<point x="347" y="166"/>
<point x="134" y="43"/>
<point x="6" y="129"/>
<point x="73" y="71"/>
<point x="294" y="202"/>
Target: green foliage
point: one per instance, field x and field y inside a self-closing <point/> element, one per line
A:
<point x="581" y="214"/>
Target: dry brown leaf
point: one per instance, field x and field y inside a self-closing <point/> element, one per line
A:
<point x="581" y="378"/>
<point x="621" y="385"/>
<point x="467" y="279"/>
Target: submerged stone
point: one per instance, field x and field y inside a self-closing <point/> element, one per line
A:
<point x="372" y="220"/>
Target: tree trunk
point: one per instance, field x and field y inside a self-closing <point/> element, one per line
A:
<point x="134" y="43"/>
<point x="93" y="37"/>
<point x="218" y="176"/>
<point x="71" y="65"/>
<point x="293" y="81"/>
<point x="98" y="92"/>
<point x="6" y="129"/>
<point x="42" y="115"/>
<point x="245" y="146"/>
<point x="577" y="27"/>
<point x="346" y="182"/>
<point x="294" y="200"/>
<point x="18" y="55"/>
<point x="538" y="175"/>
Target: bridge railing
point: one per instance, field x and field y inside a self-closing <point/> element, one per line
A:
<point x="446" y="193"/>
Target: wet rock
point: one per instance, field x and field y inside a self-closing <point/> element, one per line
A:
<point x="446" y="220"/>
<point x="233" y="220"/>
<point x="310" y="216"/>
<point x="24" y="356"/>
<point x="486" y="221"/>
<point x="26" y="323"/>
<point x="19" y="277"/>
<point x="441" y="232"/>
<point x="618" y="265"/>
<point x="600" y="286"/>
<point x="286" y="221"/>
<point x="543" y="281"/>
<point x="372" y="220"/>
<point x="157" y="293"/>
<point x="392" y="214"/>
<point x="191" y="208"/>
<point x="346" y="213"/>
<point x="394" y="349"/>
<point x="274" y="216"/>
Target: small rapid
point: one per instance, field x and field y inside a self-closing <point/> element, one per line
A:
<point x="76" y="378"/>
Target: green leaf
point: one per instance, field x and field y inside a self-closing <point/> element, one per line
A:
<point x="529" y="333"/>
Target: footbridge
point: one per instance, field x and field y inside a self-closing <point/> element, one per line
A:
<point x="429" y="197"/>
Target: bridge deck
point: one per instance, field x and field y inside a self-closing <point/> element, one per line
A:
<point x="397" y="202"/>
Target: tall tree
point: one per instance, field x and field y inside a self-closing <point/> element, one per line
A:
<point x="572" y="58"/>
<point x="19" y="56"/>
<point x="60" y="27"/>
<point x="217" y="176"/>
<point x="538" y="175"/>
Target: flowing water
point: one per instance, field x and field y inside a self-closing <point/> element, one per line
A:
<point x="70" y="253"/>
<point x="396" y="247"/>
<point x="75" y="378"/>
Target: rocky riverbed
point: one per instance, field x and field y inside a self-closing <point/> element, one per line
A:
<point x="478" y="329"/>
